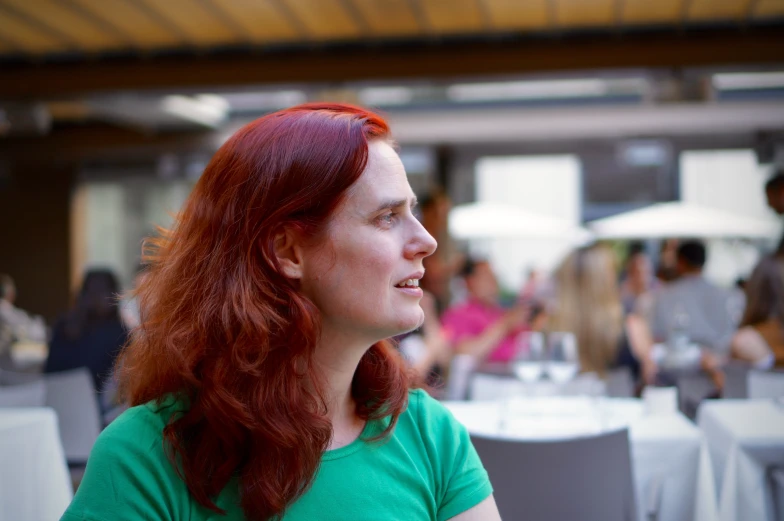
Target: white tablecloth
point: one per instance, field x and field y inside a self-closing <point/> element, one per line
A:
<point x="34" y="481"/>
<point x="744" y="438"/>
<point x="666" y="449"/>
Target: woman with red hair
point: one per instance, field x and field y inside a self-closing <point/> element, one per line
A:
<point x="260" y="380"/>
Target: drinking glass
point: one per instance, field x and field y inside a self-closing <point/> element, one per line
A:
<point x="528" y="361"/>
<point x="528" y="365"/>
<point x="563" y="360"/>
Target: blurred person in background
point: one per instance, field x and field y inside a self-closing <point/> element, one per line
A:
<point x="91" y="334"/>
<point x="427" y="349"/>
<point x="443" y="265"/>
<point x="694" y="306"/>
<point x="535" y="287"/>
<point x="480" y="326"/>
<point x="774" y="193"/>
<point x="638" y="281"/>
<point x="760" y="339"/>
<point x="667" y="267"/>
<point x="16" y="325"/>
<point x="261" y="380"/>
<point x="588" y="304"/>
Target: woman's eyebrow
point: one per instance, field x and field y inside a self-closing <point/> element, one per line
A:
<point x="395" y="203"/>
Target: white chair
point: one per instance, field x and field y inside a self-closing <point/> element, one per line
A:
<point x="765" y="384"/>
<point x="736" y="381"/>
<point x="460" y="370"/>
<point x="620" y="383"/>
<point x="8" y="377"/>
<point x="32" y="394"/>
<point x="72" y="395"/>
<point x="585" y="479"/>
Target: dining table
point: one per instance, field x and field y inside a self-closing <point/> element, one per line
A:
<point x="35" y="483"/>
<point x="671" y="467"/>
<point x="745" y="441"/>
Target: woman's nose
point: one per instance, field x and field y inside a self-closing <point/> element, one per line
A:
<point x="422" y="244"/>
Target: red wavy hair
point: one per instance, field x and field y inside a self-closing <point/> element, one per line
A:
<point x="227" y="334"/>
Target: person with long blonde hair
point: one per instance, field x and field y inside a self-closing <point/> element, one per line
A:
<point x="588" y="304"/>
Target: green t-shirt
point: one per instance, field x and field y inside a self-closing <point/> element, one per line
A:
<point x="426" y="470"/>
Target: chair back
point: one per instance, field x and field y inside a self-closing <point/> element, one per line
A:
<point x="620" y="383"/>
<point x="736" y="377"/>
<point x="8" y="377"/>
<point x="72" y="395"/>
<point x="460" y="370"/>
<point x="766" y="384"/>
<point x="32" y="394"/>
<point x="582" y="479"/>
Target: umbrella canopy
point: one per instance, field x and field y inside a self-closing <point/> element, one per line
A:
<point x="497" y="220"/>
<point x="682" y="220"/>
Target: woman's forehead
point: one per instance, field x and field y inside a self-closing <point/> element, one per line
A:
<point x="384" y="178"/>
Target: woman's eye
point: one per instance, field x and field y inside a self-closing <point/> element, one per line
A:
<point x="387" y="218"/>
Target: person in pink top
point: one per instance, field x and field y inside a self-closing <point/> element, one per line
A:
<point x="480" y="326"/>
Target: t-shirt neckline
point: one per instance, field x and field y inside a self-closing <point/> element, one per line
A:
<point x="352" y="447"/>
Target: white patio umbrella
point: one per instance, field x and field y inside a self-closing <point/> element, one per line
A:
<point x="504" y="221"/>
<point x="682" y="220"/>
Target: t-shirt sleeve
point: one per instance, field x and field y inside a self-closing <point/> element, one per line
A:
<point x="128" y="476"/>
<point x="461" y="481"/>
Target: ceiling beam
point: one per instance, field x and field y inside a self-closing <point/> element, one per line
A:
<point x="427" y="60"/>
<point x="73" y="144"/>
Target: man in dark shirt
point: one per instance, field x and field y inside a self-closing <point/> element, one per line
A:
<point x="774" y="191"/>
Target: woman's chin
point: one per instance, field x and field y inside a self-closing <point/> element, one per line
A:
<point x="412" y="323"/>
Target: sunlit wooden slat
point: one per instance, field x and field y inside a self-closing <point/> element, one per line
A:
<point x="584" y="13"/>
<point x="68" y="110"/>
<point x="195" y="21"/>
<point x="514" y="14"/>
<point x="28" y="37"/>
<point x="260" y="19"/>
<point x="650" y="12"/>
<point x="78" y="29"/>
<point x="768" y="9"/>
<point x="453" y="16"/>
<point x="703" y="10"/>
<point x="324" y="19"/>
<point x="132" y="21"/>
<point x="389" y="17"/>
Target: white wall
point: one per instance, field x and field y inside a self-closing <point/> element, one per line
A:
<point x="549" y="185"/>
<point x="729" y="180"/>
<point x="104" y="220"/>
<point x="120" y="214"/>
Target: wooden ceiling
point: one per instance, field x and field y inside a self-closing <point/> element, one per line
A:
<point x="35" y="29"/>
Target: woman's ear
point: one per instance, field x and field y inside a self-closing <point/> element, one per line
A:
<point x="288" y="252"/>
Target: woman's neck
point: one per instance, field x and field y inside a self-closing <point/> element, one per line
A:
<point x="337" y="358"/>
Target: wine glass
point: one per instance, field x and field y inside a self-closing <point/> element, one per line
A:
<point x="528" y="366"/>
<point x="528" y="361"/>
<point x="563" y="360"/>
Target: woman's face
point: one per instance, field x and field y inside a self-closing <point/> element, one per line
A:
<point x="374" y="247"/>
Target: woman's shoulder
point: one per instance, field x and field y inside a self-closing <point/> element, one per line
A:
<point x="129" y="473"/>
<point x="138" y="430"/>
<point x="148" y="417"/>
<point x="428" y="414"/>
